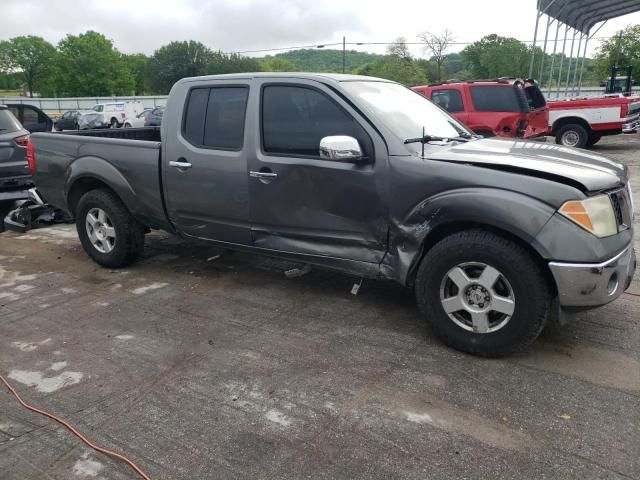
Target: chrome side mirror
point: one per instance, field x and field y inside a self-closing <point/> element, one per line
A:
<point x="340" y="148"/>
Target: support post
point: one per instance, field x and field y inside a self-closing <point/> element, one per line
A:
<point x="586" y="42"/>
<point x="564" y="46"/>
<point x="553" y="58"/>
<point x="575" y="72"/>
<point x="544" y="50"/>
<point x="573" y="43"/>
<point x="535" y="39"/>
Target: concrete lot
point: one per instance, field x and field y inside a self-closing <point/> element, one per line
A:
<point x="207" y="368"/>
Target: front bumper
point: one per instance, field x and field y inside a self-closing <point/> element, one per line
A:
<point x="631" y="127"/>
<point x="592" y="285"/>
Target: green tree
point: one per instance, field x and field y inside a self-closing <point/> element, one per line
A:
<point x="32" y="57"/>
<point x="89" y="65"/>
<point x="398" y="65"/>
<point x="494" y="56"/>
<point x="621" y="50"/>
<point x="178" y="60"/>
<point x="139" y="64"/>
<point x="231" y="63"/>
<point x="275" y="64"/>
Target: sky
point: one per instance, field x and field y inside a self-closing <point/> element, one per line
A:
<point x="240" y="25"/>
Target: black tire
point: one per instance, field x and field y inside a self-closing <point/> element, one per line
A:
<point x="593" y="139"/>
<point x="129" y="233"/>
<point x="114" y="123"/>
<point x="572" y="135"/>
<point x="532" y="298"/>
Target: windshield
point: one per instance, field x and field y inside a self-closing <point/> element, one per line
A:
<point x="404" y="111"/>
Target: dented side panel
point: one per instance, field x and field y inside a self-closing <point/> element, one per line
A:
<point x="442" y="194"/>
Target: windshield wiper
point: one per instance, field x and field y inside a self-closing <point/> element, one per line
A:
<point x="463" y="137"/>
<point x="433" y="138"/>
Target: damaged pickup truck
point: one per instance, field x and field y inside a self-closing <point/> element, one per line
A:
<point x="495" y="236"/>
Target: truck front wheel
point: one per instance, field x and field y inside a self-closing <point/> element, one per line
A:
<point x="108" y="232"/>
<point x="572" y="135"/>
<point x="482" y="293"/>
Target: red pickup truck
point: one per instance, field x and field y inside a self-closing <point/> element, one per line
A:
<point x="582" y="122"/>
<point x="502" y="107"/>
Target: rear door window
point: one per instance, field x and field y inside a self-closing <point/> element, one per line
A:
<point x="30" y="116"/>
<point x="497" y="98"/>
<point x="450" y="100"/>
<point x="8" y="122"/>
<point x="215" y="117"/>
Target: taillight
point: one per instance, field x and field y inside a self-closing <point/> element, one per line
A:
<point x="31" y="158"/>
<point x="624" y="110"/>
<point x="23" y="141"/>
<point x="122" y="114"/>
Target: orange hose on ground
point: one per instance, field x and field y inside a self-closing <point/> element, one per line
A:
<point x="104" y="451"/>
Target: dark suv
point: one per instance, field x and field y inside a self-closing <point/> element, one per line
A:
<point x="15" y="176"/>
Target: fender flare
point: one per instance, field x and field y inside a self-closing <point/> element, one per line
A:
<point x="519" y="215"/>
<point x="100" y="170"/>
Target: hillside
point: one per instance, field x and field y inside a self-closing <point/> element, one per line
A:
<point x="321" y="60"/>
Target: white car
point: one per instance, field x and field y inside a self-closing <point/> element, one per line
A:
<point x="137" y="121"/>
<point x="114" y="114"/>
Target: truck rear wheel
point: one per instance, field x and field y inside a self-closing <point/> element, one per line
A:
<point x="482" y="293"/>
<point x="572" y="135"/>
<point x="108" y="232"/>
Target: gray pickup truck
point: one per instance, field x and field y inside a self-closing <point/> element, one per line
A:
<point x="362" y="175"/>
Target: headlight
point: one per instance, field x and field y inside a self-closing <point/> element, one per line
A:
<point x="594" y="214"/>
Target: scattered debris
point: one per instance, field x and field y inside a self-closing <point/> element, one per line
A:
<point x="356" y="287"/>
<point x="565" y="416"/>
<point x="297" y="272"/>
<point x="148" y="288"/>
<point x="211" y="259"/>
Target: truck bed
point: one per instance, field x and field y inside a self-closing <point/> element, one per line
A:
<point x="125" y="159"/>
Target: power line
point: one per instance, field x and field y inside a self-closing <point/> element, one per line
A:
<point x="334" y="44"/>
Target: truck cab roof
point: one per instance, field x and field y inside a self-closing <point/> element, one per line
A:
<point x="335" y="77"/>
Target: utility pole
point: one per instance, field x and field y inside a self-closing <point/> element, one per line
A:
<point x="344" y="54"/>
<point x="618" y="48"/>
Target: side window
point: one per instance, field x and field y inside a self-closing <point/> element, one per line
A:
<point x="450" y="100"/>
<point x="30" y="116"/>
<point x="495" y="98"/>
<point x="295" y="119"/>
<point x="215" y="117"/>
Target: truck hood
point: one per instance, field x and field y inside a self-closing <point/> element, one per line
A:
<point x="579" y="168"/>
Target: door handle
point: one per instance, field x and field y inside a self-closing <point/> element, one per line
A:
<point x="180" y="164"/>
<point x="262" y="174"/>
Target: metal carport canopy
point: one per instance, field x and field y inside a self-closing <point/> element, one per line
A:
<point x="583" y="15"/>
